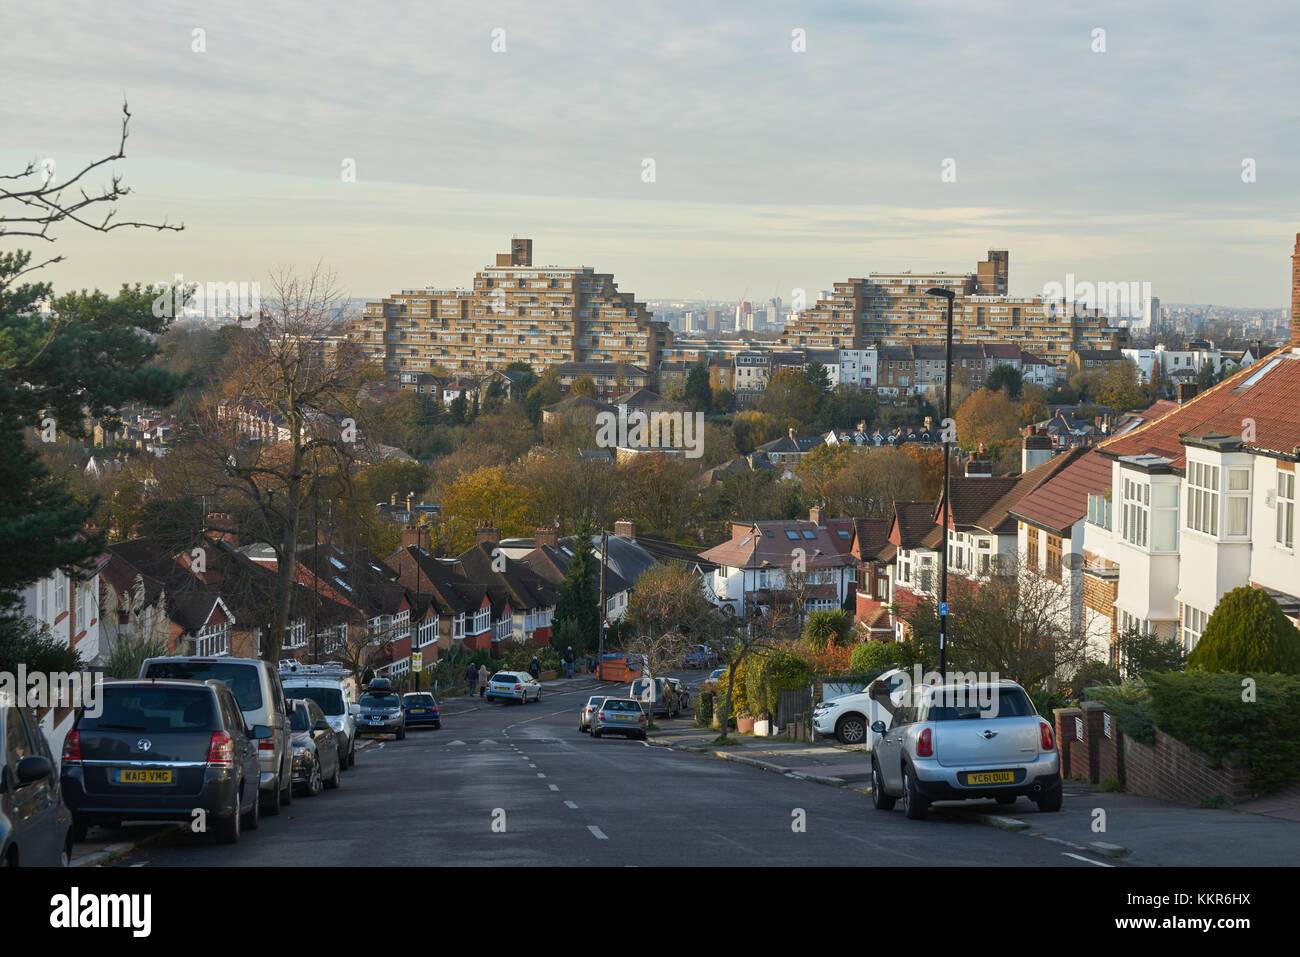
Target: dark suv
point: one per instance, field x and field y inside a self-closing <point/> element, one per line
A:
<point x="35" y="826"/>
<point x="162" y="750"/>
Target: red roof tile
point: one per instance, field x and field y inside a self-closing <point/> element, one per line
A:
<point x="1270" y="404"/>
<point x="1063" y="499"/>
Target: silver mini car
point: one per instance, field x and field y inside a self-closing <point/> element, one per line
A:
<point x="960" y="741"/>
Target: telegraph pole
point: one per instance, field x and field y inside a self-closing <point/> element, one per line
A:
<point x="946" y="426"/>
<point x="600" y="642"/>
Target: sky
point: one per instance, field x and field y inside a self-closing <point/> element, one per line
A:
<point x="774" y="168"/>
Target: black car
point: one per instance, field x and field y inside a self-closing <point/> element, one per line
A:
<point x="317" y="752"/>
<point x="162" y="750"/>
<point x="35" y="825"/>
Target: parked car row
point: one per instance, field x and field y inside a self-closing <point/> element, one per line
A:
<point x="211" y="740"/>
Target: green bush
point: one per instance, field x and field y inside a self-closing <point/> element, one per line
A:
<point x="1130" y="705"/>
<point x="1247" y="633"/>
<point x="1207" y="712"/>
<point x="704" y="709"/>
<point x="876" y="656"/>
<point x="829" y="625"/>
<point x="1045" y="701"/>
<point x="1093" y="673"/>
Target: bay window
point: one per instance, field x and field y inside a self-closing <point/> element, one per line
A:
<point x="1286" y="509"/>
<point x="1203" y="497"/>
<point x="1135" y="500"/>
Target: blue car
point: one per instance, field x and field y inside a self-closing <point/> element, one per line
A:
<point x="420" y="708"/>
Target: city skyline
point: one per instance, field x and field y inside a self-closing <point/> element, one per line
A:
<point x="754" y="194"/>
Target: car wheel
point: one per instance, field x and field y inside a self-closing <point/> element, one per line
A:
<point x="879" y="799"/>
<point x="851" y="729"/>
<point x="335" y="779"/>
<point x="1051" y="801"/>
<point x="227" y="830"/>
<point x="315" y="784"/>
<point x="253" y="819"/>
<point x="595" y="732"/>
<point x="286" y="797"/>
<point x="914" y="805"/>
<point x="437" y="726"/>
<point x="539" y="695"/>
<point x="401" y="735"/>
<point x="65" y="855"/>
<point x="271" y="805"/>
<point x="352" y="753"/>
<point x="1006" y="799"/>
<point x="79" y="829"/>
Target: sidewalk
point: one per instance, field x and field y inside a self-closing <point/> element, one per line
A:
<point x="822" y="762"/>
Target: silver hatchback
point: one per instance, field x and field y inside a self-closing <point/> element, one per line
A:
<point x="961" y="741"/>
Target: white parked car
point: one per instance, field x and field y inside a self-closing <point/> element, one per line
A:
<point x="850" y="717"/>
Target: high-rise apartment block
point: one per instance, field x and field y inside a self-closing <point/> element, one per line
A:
<point x="516" y="312"/>
<point x="894" y="309"/>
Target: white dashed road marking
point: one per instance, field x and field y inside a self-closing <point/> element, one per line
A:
<point x="1086" y="860"/>
<point x="553" y="787"/>
<point x="570" y="804"/>
<point x="597" y="831"/>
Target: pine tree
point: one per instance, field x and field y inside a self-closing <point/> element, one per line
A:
<point x="1248" y="632"/>
<point x="577" y="610"/>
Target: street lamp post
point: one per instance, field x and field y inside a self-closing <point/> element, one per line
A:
<point x="946" y="427"/>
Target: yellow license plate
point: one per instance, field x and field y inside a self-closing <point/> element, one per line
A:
<point x="128" y="776"/>
<point x="991" y="777"/>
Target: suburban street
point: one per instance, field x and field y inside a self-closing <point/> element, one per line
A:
<point x="571" y="800"/>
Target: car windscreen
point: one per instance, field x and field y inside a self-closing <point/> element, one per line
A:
<point x="329" y="699"/>
<point x="418" y="700"/>
<point x="239" y="678"/>
<point x="379" y="701"/>
<point x="982" y="704"/>
<point x="152" y="708"/>
<point x="300" y="720"/>
<point x="620" y="705"/>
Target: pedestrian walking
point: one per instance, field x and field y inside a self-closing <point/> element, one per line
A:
<point x="568" y="662"/>
<point x="534" y="668"/>
<point x="482" y="680"/>
<point x="471" y="675"/>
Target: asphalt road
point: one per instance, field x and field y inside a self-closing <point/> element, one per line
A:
<point x="518" y="786"/>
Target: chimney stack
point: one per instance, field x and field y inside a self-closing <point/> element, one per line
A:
<point x="1185" y="391"/>
<point x="547" y="535"/>
<point x="488" y="534"/>
<point x="792" y="432"/>
<point x="414" y="535"/>
<point x="626" y="528"/>
<point x="1037" y="449"/>
<point x="817" y="515"/>
<point x="392" y="500"/>
<point x="978" y="465"/>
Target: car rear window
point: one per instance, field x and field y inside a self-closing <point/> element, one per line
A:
<point x="620" y="705"/>
<point x="419" y="700"/>
<point x="242" y="679"/>
<point x="506" y="677"/>
<point x="1007" y="703"/>
<point x="153" y="709"/>
<point x="300" y="720"/>
<point x="329" y="699"/>
<point x="593" y="701"/>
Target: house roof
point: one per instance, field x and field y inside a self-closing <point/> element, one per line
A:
<point x="1062" y="500"/>
<point x="662" y="550"/>
<point x="640" y="399"/>
<point x="911" y="522"/>
<point x="996" y="504"/>
<point x="870" y="536"/>
<point x="772" y="544"/>
<point x="799" y="443"/>
<point x="1262" y="398"/>
<point x="516" y="581"/>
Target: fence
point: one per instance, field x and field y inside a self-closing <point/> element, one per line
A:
<point x="792" y="705"/>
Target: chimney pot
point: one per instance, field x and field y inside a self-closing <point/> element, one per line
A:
<point x="486" y="533"/>
<point x="626" y="528"/>
<point x="546" y="535"/>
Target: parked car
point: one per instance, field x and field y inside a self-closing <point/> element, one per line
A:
<point x="317" y="751"/>
<point x="35" y="824"/>
<point x="421" y="708"/>
<point x="588" y="710"/>
<point x="160" y="750"/>
<point x="256" y="686"/>
<point x="380" y="711"/>
<point x="955" y="742"/>
<point x="623" y="716"/>
<point x="849" y="718"/>
<point x="333" y="690"/>
<point x="513" y="686"/>
<point x="654" y="693"/>
<point x="716" y="680"/>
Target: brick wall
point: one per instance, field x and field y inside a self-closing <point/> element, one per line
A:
<point x="1170" y="769"/>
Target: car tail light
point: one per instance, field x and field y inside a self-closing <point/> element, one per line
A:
<point x="265" y="744"/>
<point x="72" y="748"/>
<point x="1045" y="733"/>
<point x="519" y="687"/>
<point x="222" y="749"/>
<point x="925" y="745"/>
<point x="641" y="717"/>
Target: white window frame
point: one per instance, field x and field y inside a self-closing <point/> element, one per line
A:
<point x="1203" y="498"/>
<point x="427" y="632"/>
<point x="1193" y="626"/>
<point x="1237" y="496"/>
<point x="1285" y="528"/>
<point x="295" y="634"/>
<point x="1135" y="504"/>
<point x="212" y="641"/>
